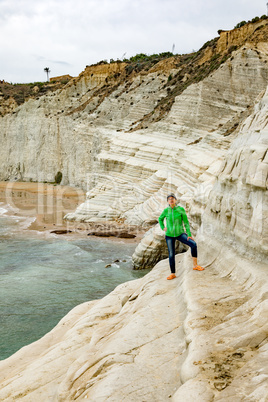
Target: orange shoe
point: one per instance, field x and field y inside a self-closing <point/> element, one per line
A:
<point x="172" y="276"/>
<point x="198" y="268"/>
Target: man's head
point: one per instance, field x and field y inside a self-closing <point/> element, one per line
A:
<point x="171" y="199"/>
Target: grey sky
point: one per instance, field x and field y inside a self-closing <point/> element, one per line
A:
<point x="67" y="35"/>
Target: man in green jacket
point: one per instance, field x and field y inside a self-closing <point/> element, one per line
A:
<point x="176" y="226"/>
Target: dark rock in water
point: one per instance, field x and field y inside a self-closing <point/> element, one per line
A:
<point x="103" y="234"/>
<point x="126" y="235"/>
<point x="108" y="266"/>
<point x="116" y="260"/>
<point x="63" y="231"/>
<point x="112" y="234"/>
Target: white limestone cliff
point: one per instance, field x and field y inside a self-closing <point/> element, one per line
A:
<point x="134" y="170"/>
<point x="202" y="336"/>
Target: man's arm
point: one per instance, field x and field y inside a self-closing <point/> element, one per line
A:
<point x="161" y="219"/>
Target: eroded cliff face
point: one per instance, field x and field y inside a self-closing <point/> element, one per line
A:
<point x="233" y="242"/>
<point x="248" y="33"/>
<point x="76" y="129"/>
<point x="132" y="168"/>
<point x="238" y="203"/>
<point x="202" y="336"/>
<point x="205" y="332"/>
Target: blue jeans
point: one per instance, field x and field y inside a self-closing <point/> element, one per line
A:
<point x="171" y="248"/>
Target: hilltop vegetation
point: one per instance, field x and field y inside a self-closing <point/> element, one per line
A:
<point x="193" y="67"/>
<point x="255" y="19"/>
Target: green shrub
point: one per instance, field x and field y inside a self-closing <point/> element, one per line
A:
<point x="165" y="54"/>
<point x="153" y="57"/>
<point x="58" y="177"/>
<point x="255" y="19"/>
<point x="240" y="24"/>
<point x="139" y="57"/>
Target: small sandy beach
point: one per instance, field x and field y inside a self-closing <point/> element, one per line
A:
<point x="47" y="204"/>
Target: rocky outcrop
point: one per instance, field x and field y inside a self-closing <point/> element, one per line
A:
<point x="237" y="188"/>
<point x="233" y="230"/>
<point x="238" y="200"/>
<point x="61" y="78"/>
<point x="7" y="105"/>
<point x="251" y="32"/>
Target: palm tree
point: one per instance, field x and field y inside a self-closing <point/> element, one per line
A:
<point x="47" y="70"/>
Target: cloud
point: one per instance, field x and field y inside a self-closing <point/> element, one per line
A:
<point x="72" y="34"/>
<point x="43" y="59"/>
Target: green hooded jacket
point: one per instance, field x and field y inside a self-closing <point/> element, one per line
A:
<point x="176" y="221"/>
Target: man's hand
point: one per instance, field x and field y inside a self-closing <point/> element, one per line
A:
<point x="165" y="229"/>
<point x="190" y="237"/>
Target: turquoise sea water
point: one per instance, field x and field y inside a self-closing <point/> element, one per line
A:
<point x="43" y="278"/>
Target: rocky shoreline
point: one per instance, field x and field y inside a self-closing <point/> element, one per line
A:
<point x="205" y="332"/>
<point x="40" y="201"/>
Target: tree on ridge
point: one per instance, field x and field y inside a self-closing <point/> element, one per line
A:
<point x="47" y="70"/>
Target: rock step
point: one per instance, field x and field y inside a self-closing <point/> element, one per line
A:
<point x="225" y="304"/>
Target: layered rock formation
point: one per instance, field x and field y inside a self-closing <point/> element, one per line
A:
<point x="129" y="141"/>
<point x="202" y="336"/>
